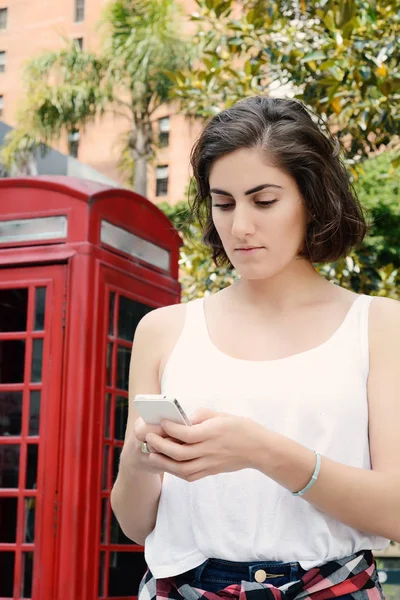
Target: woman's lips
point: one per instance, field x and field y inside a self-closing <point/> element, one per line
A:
<point x="249" y="250"/>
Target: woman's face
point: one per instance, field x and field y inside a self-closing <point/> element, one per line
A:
<point x="258" y="212"/>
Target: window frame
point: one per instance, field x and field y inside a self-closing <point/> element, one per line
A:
<point x="79" y="11"/>
<point x="3" y="11"/>
<point x="3" y="63"/>
<point x="162" y="183"/>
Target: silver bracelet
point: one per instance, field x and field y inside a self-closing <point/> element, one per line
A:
<point x="314" y="476"/>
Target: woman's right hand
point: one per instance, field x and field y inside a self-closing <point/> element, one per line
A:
<point x="132" y="457"/>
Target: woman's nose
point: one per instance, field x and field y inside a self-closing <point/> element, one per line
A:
<point x="243" y="224"/>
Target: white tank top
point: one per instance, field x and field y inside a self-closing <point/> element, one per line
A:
<point x="317" y="397"/>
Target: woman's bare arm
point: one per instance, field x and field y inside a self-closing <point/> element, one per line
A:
<point x="136" y="493"/>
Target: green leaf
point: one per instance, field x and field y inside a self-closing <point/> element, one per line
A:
<point x="317" y="55"/>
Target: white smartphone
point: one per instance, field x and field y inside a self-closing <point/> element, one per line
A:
<point x="153" y="408"/>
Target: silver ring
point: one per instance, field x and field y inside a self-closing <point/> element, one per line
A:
<point x="145" y="448"/>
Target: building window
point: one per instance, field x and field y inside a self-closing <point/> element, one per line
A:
<point x="1" y="106"/>
<point x="3" y="60"/>
<point x="164" y="127"/>
<point x="162" y="180"/>
<point x="3" y="18"/>
<point x="73" y="143"/>
<point x="79" y="10"/>
<point x="79" y="43"/>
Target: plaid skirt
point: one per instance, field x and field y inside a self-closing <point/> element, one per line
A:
<point x="354" y="575"/>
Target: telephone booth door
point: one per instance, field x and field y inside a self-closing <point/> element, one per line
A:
<point x="31" y="339"/>
<point x="125" y="300"/>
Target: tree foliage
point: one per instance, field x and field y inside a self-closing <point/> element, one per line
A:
<point x="339" y="56"/>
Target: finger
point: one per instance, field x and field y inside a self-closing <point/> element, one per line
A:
<point x="187" y="434"/>
<point x="176" y="451"/>
<point x="141" y="429"/>
<point x="183" y="470"/>
<point x="201" y="415"/>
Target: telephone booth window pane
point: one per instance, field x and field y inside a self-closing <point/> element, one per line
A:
<point x="34" y="413"/>
<point x="109" y="365"/>
<point x="102" y="573"/>
<point x="121" y="417"/>
<point x="123" y="359"/>
<point x="30" y="505"/>
<point x="116" y="457"/>
<point x="9" y="465"/>
<point x="107" y="416"/>
<point x="12" y="360"/>
<point x="31" y="467"/>
<point x="111" y="314"/>
<point x="129" y="315"/>
<point x="7" y="560"/>
<point x="106" y="454"/>
<point x="117" y="536"/>
<point x="37" y="361"/>
<point x="27" y="566"/>
<point x="126" y="572"/>
<point x="10" y="413"/>
<point x="13" y="309"/>
<point x="8" y="520"/>
<point x="40" y="303"/>
<point x="104" y="520"/>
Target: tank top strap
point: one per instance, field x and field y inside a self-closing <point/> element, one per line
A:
<point x="358" y="320"/>
<point x="195" y="322"/>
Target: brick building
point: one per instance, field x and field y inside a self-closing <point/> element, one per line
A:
<point x="28" y="27"/>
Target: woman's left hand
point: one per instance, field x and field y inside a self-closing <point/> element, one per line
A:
<point x="215" y="443"/>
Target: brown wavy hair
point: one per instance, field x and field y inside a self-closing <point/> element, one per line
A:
<point x="297" y="141"/>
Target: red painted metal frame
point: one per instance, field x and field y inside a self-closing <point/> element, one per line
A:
<point x="75" y="442"/>
<point x="45" y="496"/>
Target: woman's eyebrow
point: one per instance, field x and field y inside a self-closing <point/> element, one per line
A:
<point x="258" y="188"/>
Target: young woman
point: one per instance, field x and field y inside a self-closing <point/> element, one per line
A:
<point x="290" y="474"/>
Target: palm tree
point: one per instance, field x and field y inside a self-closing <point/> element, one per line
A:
<point x="68" y="88"/>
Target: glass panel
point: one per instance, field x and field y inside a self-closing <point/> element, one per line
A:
<point x="126" y="572"/>
<point x="30" y="506"/>
<point x="31" y="467"/>
<point x="102" y="573"/>
<point x="8" y="520"/>
<point x="117" y="536"/>
<point x="34" y="413"/>
<point x="12" y="361"/>
<point x="27" y="570"/>
<point x="13" y="309"/>
<point x="104" y="521"/>
<point x="107" y="416"/>
<point x="40" y="303"/>
<point x="123" y="359"/>
<point x="7" y="560"/>
<point x="111" y="314"/>
<point x="39" y="228"/>
<point x="121" y="417"/>
<point x="10" y="413"/>
<point x="37" y="360"/>
<point x="9" y="465"/>
<point x="129" y="315"/>
<point x="135" y="246"/>
<point x="104" y="480"/>
<point x="116" y="457"/>
<point x="109" y="365"/>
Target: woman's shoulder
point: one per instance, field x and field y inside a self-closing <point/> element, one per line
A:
<point x="162" y="320"/>
<point x="384" y="324"/>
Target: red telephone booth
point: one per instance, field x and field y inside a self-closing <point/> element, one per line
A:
<point x="80" y="264"/>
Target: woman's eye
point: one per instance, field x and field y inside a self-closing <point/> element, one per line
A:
<point x="266" y="202"/>
<point x="223" y="206"/>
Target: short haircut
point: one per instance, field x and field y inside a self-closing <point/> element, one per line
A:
<point x="295" y="140"/>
